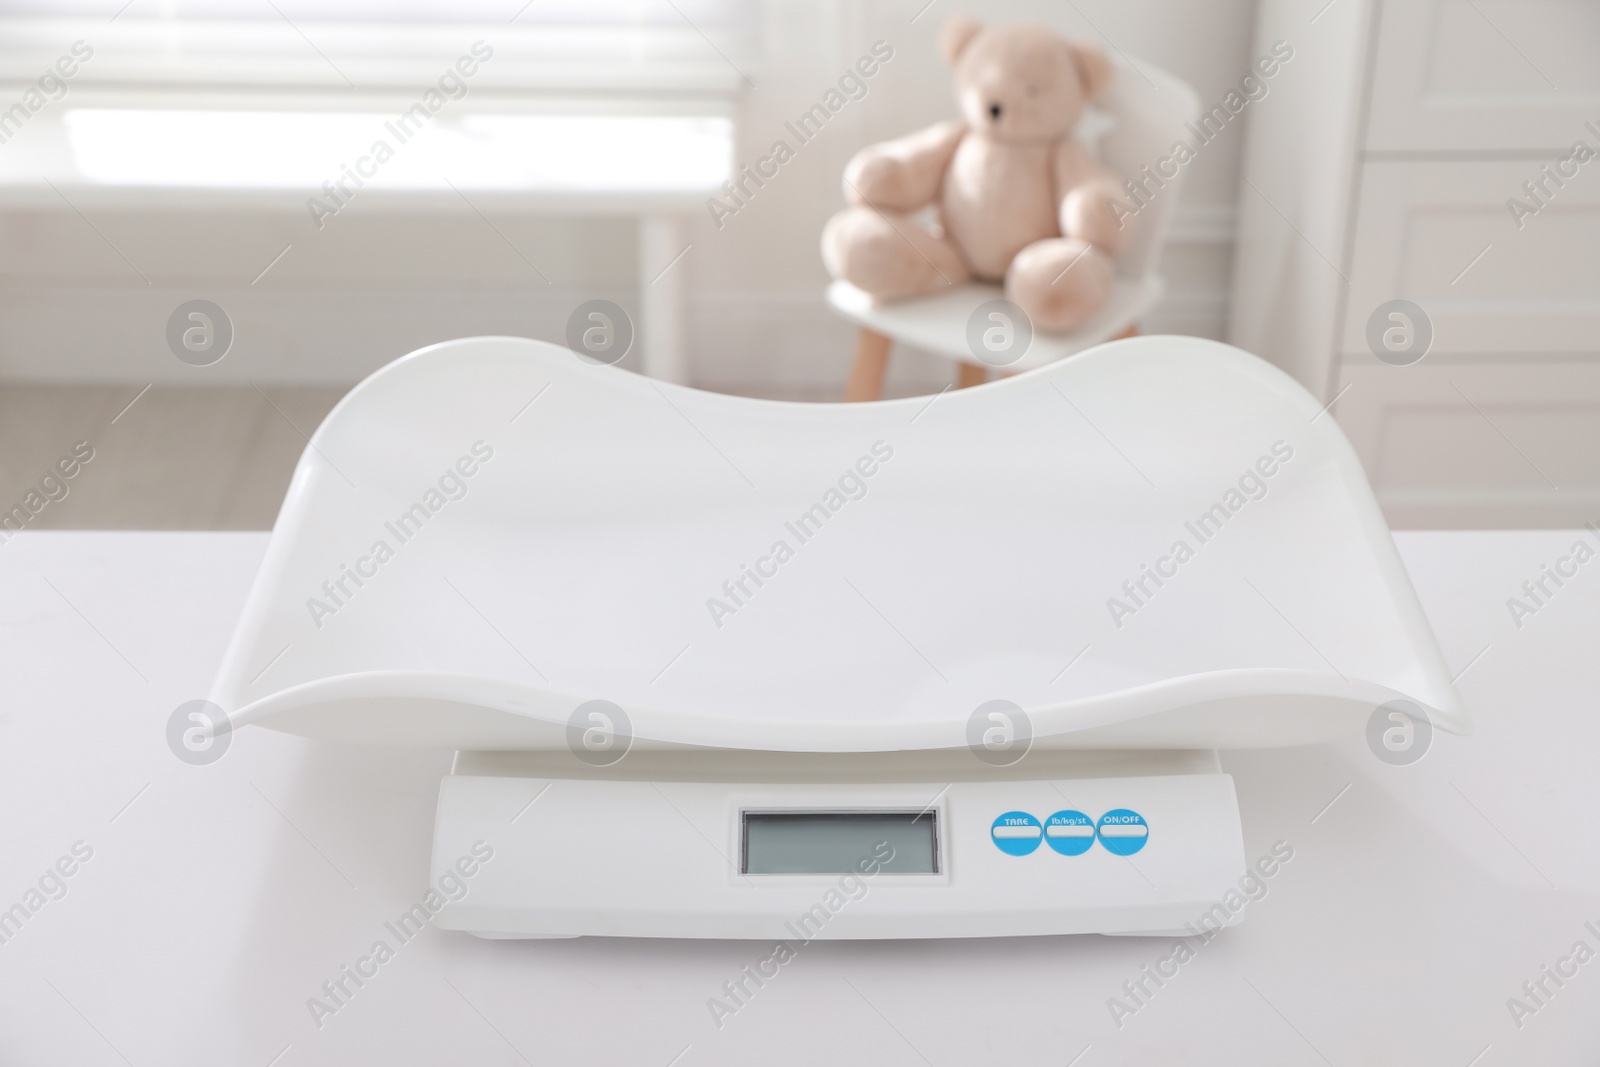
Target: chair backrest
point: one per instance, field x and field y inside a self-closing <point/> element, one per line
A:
<point x="1150" y="108"/>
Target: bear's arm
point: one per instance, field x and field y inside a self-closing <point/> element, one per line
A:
<point x="904" y="174"/>
<point x="1085" y="191"/>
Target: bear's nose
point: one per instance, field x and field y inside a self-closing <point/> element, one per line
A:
<point x="994" y="112"/>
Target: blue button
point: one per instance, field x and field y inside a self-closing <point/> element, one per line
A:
<point x="1016" y="833"/>
<point x="1123" y="832"/>
<point x="1069" y="832"/>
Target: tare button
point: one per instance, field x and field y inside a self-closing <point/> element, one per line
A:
<point x="1016" y="833"/>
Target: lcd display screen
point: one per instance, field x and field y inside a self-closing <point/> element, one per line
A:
<point x="840" y="842"/>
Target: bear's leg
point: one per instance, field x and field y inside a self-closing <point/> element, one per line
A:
<point x="888" y="255"/>
<point x="1060" y="282"/>
<point x="1088" y="214"/>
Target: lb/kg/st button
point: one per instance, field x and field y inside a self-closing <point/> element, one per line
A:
<point x="1069" y="832"/>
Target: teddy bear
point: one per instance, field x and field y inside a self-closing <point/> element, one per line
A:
<point x="1016" y="196"/>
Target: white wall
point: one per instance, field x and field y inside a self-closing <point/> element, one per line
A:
<point x="371" y="287"/>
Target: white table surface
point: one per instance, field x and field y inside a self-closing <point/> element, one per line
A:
<point x="219" y="898"/>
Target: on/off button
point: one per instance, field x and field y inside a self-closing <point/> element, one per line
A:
<point x="1016" y="833"/>
<point x="1122" y="832"/>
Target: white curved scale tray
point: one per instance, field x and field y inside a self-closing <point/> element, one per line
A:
<point x="983" y="558"/>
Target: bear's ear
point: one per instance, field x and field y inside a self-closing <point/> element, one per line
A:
<point x="956" y="35"/>
<point x="1094" y="67"/>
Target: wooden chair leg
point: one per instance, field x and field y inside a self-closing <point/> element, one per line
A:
<point x="970" y="374"/>
<point x="871" y="364"/>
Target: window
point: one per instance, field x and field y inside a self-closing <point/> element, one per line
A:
<point x="545" y="97"/>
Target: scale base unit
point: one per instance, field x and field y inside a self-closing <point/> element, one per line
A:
<point x="788" y="860"/>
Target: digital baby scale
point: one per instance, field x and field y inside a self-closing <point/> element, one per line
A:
<point x="948" y="666"/>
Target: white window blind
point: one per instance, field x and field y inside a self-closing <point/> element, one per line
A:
<point x="550" y="97"/>
<point x="599" y="45"/>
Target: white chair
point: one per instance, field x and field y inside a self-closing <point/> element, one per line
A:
<point x="1149" y="108"/>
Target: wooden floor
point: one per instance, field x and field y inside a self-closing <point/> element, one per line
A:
<point x="177" y="459"/>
